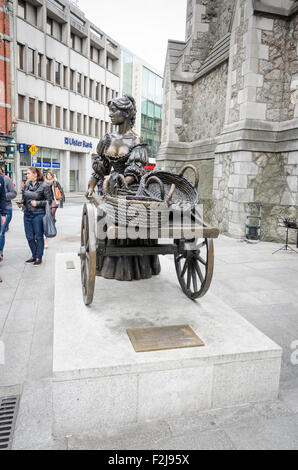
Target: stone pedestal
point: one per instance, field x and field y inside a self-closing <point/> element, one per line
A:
<point x="100" y="381"/>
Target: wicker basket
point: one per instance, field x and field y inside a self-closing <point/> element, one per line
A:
<point x="183" y="197"/>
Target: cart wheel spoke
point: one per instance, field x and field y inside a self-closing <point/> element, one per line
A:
<point x="184" y="268"/>
<point x="198" y="270"/>
<point x="194" y="279"/>
<point x="188" y="276"/>
<point x="201" y="260"/>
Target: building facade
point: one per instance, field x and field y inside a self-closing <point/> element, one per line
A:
<point x="231" y="109"/>
<point x="145" y="84"/>
<point x="65" y="71"/>
<point x="7" y="148"/>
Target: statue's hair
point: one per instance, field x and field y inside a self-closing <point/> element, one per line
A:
<point x="127" y="105"/>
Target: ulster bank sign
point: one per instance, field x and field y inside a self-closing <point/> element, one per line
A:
<point x="77" y="143"/>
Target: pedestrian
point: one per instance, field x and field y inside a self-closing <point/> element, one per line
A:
<point x="35" y="197"/>
<point x="58" y="196"/>
<point x="11" y="194"/>
<point x="2" y="205"/>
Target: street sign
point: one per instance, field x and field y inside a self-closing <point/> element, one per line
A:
<point x="33" y="149"/>
<point x="22" y="148"/>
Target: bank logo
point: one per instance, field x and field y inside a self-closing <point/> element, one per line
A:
<point x="77" y="143"/>
<point x="294" y="356"/>
<point x="2" y="353"/>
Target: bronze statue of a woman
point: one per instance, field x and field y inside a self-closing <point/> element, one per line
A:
<point x="126" y="154"/>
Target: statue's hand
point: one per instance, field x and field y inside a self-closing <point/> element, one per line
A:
<point x="89" y="193"/>
<point x="129" y="180"/>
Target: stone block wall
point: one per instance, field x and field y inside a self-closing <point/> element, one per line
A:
<point x="241" y="178"/>
<point x="238" y="120"/>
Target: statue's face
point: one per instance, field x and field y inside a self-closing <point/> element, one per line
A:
<point x="115" y="115"/>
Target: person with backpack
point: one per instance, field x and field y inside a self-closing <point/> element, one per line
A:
<point x="11" y="194"/>
<point x="58" y="195"/>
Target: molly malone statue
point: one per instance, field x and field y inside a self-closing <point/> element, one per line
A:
<point x="124" y="153"/>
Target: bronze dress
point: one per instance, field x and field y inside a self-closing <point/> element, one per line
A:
<point x="125" y="268"/>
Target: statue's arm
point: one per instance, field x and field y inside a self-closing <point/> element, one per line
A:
<point x="101" y="166"/>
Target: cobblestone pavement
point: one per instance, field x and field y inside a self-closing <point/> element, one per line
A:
<point x="261" y="287"/>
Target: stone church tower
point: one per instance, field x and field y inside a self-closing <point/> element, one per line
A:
<point x="231" y="109"/>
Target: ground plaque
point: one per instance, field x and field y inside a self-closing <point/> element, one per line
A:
<point x="167" y="337"/>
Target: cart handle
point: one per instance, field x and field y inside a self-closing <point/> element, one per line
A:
<point x="195" y="170"/>
<point x="154" y="179"/>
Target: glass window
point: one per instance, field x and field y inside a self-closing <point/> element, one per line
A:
<point x="96" y="127"/>
<point x="49" y="69"/>
<point x="39" y="65"/>
<point x="31" y="110"/>
<point x="90" y="126"/>
<point x="58" y="118"/>
<point x="30" y="60"/>
<point x="71" y="79"/>
<point x="65" y="77"/>
<point x="109" y="64"/>
<point x="79" y="123"/>
<point x="79" y="83"/>
<point x="102" y="93"/>
<point x="71" y="120"/>
<point x="49" y="26"/>
<point x="57" y="73"/>
<point x="97" y="92"/>
<point x="65" y="119"/>
<point x="85" y="125"/>
<point x="22" y="9"/>
<point x="40" y="109"/>
<point x="127" y="72"/>
<point x="73" y="40"/>
<point x="21" y="52"/>
<point x="91" y="88"/>
<point x="85" y="85"/>
<point x="21" y="105"/>
<point x="49" y="114"/>
<point x="25" y="161"/>
<point x="145" y="82"/>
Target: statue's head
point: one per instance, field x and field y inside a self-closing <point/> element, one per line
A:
<point x="126" y="105"/>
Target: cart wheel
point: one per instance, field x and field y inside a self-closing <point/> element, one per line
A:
<point x="195" y="268"/>
<point x="88" y="254"/>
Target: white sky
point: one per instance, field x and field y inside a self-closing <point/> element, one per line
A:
<point x="142" y="26"/>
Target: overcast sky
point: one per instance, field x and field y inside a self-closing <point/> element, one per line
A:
<point x="142" y="26"/>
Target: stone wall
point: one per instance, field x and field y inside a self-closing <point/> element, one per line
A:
<point x="241" y="178"/>
<point x="237" y="119"/>
<point x="209" y="96"/>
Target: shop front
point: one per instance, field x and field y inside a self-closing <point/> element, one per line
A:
<point x="45" y="159"/>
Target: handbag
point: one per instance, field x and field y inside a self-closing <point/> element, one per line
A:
<point x="58" y="193"/>
<point x="49" y="227"/>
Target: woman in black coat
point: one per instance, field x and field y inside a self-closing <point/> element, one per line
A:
<point x="35" y="197"/>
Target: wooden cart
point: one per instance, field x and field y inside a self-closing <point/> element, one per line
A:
<point x="194" y="263"/>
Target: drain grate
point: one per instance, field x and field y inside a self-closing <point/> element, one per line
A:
<point x="8" y="413"/>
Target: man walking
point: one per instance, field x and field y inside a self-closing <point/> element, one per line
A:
<point x="11" y="194"/>
<point x="2" y="205"/>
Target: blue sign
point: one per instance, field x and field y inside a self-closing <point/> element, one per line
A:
<point x="78" y="143"/>
<point x="37" y="165"/>
<point x="56" y="165"/>
<point x="46" y="164"/>
<point x="22" y="148"/>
